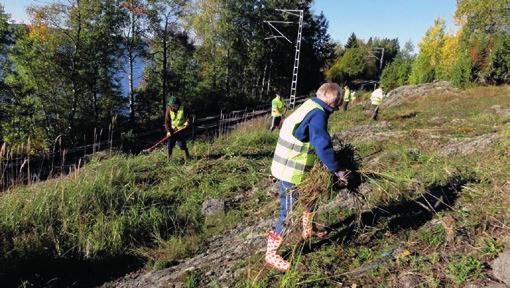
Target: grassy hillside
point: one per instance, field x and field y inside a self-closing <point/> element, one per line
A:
<point x="433" y="147"/>
<point x="148" y="208"/>
<point x="128" y="205"/>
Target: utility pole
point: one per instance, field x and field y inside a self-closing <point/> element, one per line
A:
<point x="295" y="69"/>
<point x="381" y="59"/>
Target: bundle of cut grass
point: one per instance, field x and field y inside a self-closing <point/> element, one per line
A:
<point x="319" y="185"/>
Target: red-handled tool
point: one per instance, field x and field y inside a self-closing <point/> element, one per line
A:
<point x="153" y="147"/>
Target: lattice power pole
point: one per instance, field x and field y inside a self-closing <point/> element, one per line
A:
<point x="381" y="59"/>
<point x="295" y="69"/>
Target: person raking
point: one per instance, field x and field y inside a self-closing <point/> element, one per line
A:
<point x="176" y="122"/>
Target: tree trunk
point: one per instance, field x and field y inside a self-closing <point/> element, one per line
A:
<point x="268" y="82"/>
<point x="94" y="88"/>
<point x="227" y="74"/>
<point x="131" y="87"/>
<point x="75" y="75"/>
<point x="165" y="66"/>
<point x="261" y="90"/>
<point x="131" y="60"/>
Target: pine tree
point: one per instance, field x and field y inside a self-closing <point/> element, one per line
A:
<point x="352" y="42"/>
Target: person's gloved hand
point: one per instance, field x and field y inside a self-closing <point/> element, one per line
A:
<point x="341" y="178"/>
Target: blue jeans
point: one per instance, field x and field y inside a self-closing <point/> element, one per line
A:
<point x="288" y="194"/>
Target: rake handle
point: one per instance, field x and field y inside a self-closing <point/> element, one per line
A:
<point x="150" y="149"/>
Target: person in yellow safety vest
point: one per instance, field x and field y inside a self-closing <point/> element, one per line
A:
<point x="176" y="122"/>
<point x="277" y="111"/>
<point x="347" y="97"/>
<point x="303" y="136"/>
<point x="376" y="98"/>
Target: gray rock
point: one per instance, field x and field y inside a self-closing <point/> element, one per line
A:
<point x="363" y="131"/>
<point x="212" y="207"/>
<point x="225" y="256"/>
<point x="436" y="120"/>
<point x="409" y="281"/>
<point x="223" y="253"/>
<point x="410" y="93"/>
<point x="501" y="267"/>
<point x="504" y="112"/>
<point x="485" y="284"/>
<point x="470" y="145"/>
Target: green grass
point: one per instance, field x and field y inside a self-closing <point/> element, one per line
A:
<point x="147" y="206"/>
<point x="434" y="236"/>
<point x="116" y="206"/>
<point x="406" y="167"/>
<point x="463" y="268"/>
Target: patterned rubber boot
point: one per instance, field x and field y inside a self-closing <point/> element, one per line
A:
<point x="274" y="241"/>
<point x="308" y="227"/>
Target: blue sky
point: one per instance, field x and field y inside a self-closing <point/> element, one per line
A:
<point x="403" y="19"/>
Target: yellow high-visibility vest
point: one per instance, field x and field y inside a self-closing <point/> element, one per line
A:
<point x="377" y="97"/>
<point x="293" y="158"/>
<point x="347" y="95"/>
<point x="277" y="107"/>
<point x="178" y="120"/>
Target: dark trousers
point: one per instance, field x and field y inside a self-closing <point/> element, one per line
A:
<point x="346" y="105"/>
<point x="375" y="114"/>
<point x="276" y="122"/>
<point x="178" y="139"/>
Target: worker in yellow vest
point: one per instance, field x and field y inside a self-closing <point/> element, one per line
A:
<point x="347" y="97"/>
<point x="277" y="111"/>
<point x="176" y="122"/>
<point x="376" y="98"/>
<point x="353" y="96"/>
<point x="303" y="136"/>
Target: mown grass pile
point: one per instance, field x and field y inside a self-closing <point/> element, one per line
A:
<point x="115" y="206"/>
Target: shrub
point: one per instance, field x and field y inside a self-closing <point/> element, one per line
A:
<point x="422" y="71"/>
<point x="396" y="74"/>
<point x="499" y="60"/>
<point x="461" y="71"/>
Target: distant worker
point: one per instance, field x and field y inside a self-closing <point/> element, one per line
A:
<point x="376" y="98"/>
<point x="277" y="111"/>
<point x="303" y="135"/>
<point x="347" y="97"/>
<point x="176" y="122"/>
<point x="353" y="96"/>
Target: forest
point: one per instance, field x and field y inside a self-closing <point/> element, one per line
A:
<point x="61" y="73"/>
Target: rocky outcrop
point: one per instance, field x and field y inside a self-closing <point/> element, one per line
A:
<point x="220" y="262"/>
<point x="217" y="262"/>
<point x="501" y="267"/>
<point x="504" y="112"/>
<point x="364" y="131"/>
<point x="411" y="93"/>
<point x="470" y="145"/>
<point x="485" y="284"/>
